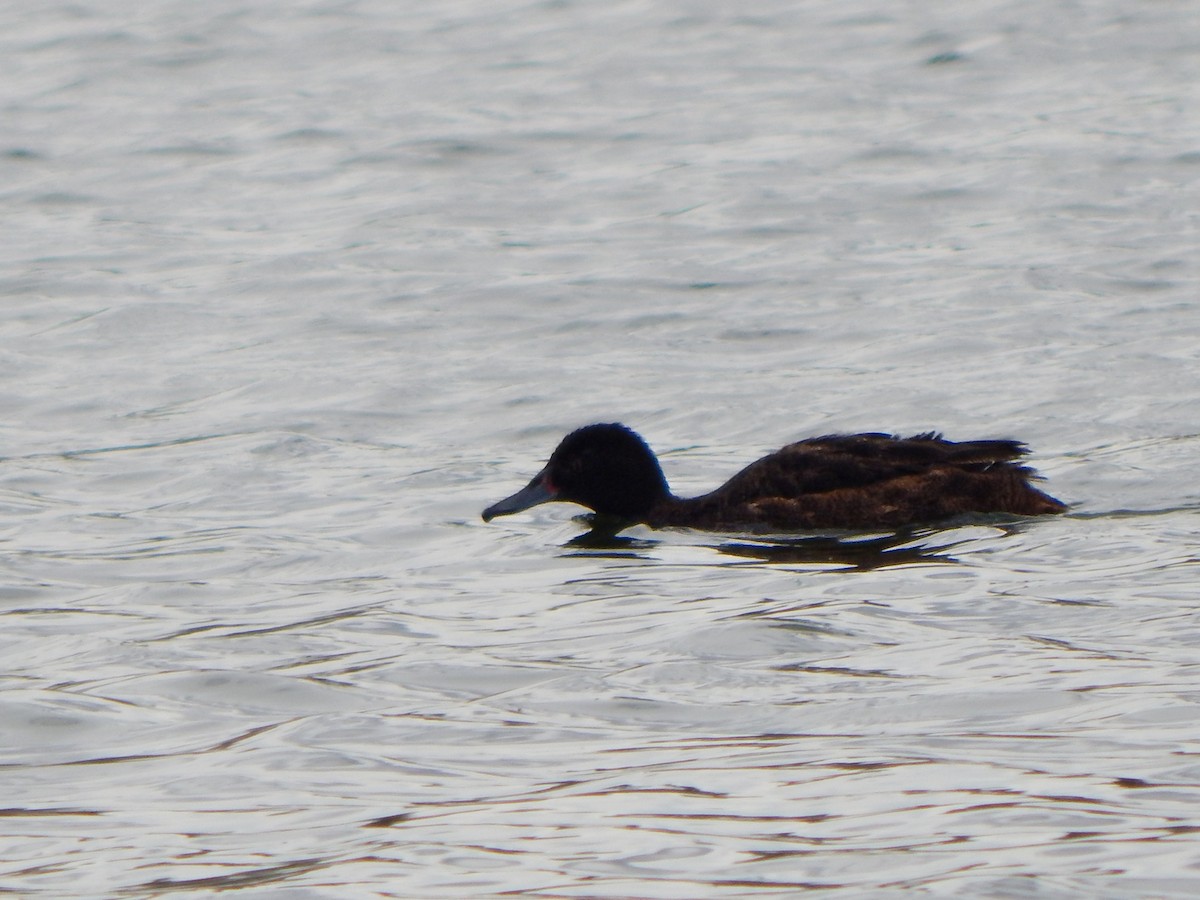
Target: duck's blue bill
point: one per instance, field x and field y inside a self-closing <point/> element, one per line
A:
<point x="531" y="495"/>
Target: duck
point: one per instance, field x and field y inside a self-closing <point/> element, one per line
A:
<point x="836" y="481"/>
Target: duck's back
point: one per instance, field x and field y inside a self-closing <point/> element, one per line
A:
<point x="868" y="480"/>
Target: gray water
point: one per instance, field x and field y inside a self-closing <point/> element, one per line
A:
<point x="289" y="292"/>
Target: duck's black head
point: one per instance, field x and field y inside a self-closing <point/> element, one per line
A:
<point x="607" y="468"/>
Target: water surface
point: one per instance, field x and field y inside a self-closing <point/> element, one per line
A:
<point x="292" y="292"/>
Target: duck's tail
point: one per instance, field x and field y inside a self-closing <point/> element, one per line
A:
<point x="974" y="452"/>
<point x="1007" y="478"/>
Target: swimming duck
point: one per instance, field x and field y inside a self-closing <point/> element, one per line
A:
<point x="836" y="481"/>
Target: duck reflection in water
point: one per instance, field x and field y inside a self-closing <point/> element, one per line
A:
<point x="856" y="481"/>
<point x="854" y="552"/>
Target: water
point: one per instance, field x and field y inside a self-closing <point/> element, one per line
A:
<point x="292" y="291"/>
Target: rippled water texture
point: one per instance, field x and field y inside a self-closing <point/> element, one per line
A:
<point x="291" y="291"/>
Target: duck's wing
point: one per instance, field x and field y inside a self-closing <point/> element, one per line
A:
<point x="838" y="462"/>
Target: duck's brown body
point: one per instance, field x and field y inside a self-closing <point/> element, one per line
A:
<point x="838" y="481"/>
<point x="865" y="481"/>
